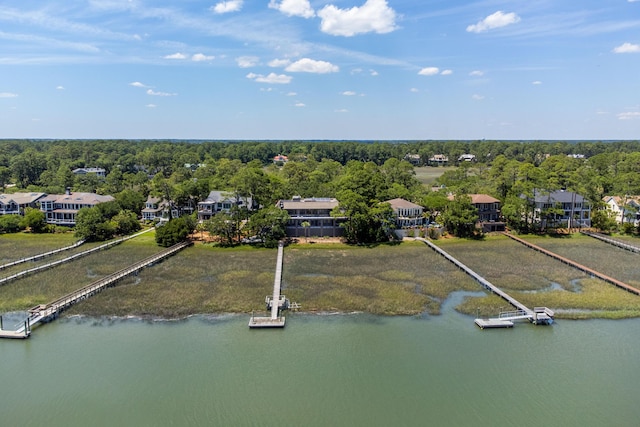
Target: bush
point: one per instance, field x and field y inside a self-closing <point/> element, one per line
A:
<point x="10" y="223"/>
<point x="174" y="231"/>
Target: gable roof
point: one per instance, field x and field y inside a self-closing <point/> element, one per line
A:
<point x="21" y="198"/>
<point x="482" y="198"/>
<point x="399" y="203"/>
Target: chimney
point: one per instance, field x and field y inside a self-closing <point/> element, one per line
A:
<point x="68" y="191"/>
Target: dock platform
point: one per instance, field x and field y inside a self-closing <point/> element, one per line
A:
<point x="276" y="320"/>
<point x="493" y="323"/>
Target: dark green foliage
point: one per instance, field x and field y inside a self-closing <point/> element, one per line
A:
<point x="174" y="231"/>
<point x="126" y="222"/>
<point x="34" y="219"/>
<point x="268" y="225"/>
<point x="130" y="200"/>
<point x="91" y="225"/>
<point x="460" y="216"/>
<point x="10" y="223"/>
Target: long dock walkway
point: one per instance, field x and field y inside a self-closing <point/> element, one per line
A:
<point x="611" y="241"/>
<point x="576" y="265"/>
<point x="277" y="302"/>
<point x="535" y="315"/>
<point x="53" y="309"/>
<point x="33" y="270"/>
<point x="41" y="256"/>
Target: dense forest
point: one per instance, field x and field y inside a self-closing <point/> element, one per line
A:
<point x="359" y="174"/>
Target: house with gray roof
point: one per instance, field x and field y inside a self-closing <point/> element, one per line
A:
<point x="314" y="211"/>
<point x="221" y="201"/>
<point x="407" y="214"/>
<point x="16" y="203"/>
<point x="61" y="209"/>
<point x="569" y="209"/>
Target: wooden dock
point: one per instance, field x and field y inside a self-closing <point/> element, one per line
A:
<point x="576" y="265"/>
<point x="276" y="303"/>
<point x="538" y="316"/>
<point x="45" y="312"/>
<point x="611" y="241"/>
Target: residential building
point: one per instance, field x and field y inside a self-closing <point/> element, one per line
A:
<point x="99" y="172"/>
<point x="414" y="159"/>
<point x="280" y="159"/>
<point x="438" y="159"/>
<point x="489" y="215"/>
<point x="220" y="201"/>
<point x="61" y="209"/>
<point x="573" y="209"/>
<point x="17" y="202"/>
<point x="407" y="214"/>
<point x="626" y="209"/>
<point x="314" y="211"/>
<point x="467" y="158"/>
<point x="155" y="209"/>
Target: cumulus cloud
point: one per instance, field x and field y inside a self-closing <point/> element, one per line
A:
<point x="60" y="87"/>
<point x="476" y="73"/>
<point x="247" y="61"/>
<point x="137" y="84"/>
<point x="271" y="78"/>
<point x="537" y="82"/>
<point x="276" y="63"/>
<point x="151" y="105"/>
<point x="349" y="93"/>
<point x="292" y="94"/>
<point x="299" y="104"/>
<point x="429" y="71"/>
<point x="8" y="95"/>
<point x="227" y="6"/>
<point x="627" y="48"/>
<point x="300" y="8"/>
<point x="198" y="57"/>
<point x="477" y="97"/>
<point x="630" y="115"/>
<point x="446" y="72"/>
<point x="306" y="65"/>
<point x="154" y="93"/>
<point x="495" y="20"/>
<point x="373" y="16"/>
<point x="373" y="73"/>
<point x="176" y="55"/>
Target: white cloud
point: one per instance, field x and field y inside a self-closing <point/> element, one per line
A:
<point x="247" y="61"/>
<point x="306" y="65"/>
<point x="227" y="6"/>
<point x="446" y="72"/>
<point x="476" y="73"/>
<point x="137" y="84"/>
<point x="414" y="90"/>
<point x="630" y="115"/>
<point x="8" y="95"/>
<point x="341" y="110"/>
<point x="477" y="97"/>
<point x="495" y="20"/>
<point x="276" y="63"/>
<point x="292" y="94"/>
<point x="60" y="87"/>
<point x="373" y="16"/>
<point x="300" y="8"/>
<point x="632" y="1"/>
<point x="299" y="104"/>
<point x="627" y="48"/>
<point x="154" y="93"/>
<point x="198" y="57"/>
<point x="272" y="78"/>
<point x="151" y="105"/>
<point x="429" y="71"/>
<point x="373" y="73"/>
<point x="349" y="93"/>
<point x="537" y="82"/>
<point x="176" y="55"/>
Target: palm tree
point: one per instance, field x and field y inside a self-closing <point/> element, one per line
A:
<point x="306" y="225"/>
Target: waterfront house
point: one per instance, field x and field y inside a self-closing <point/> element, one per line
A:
<point x="407" y="214"/>
<point x="467" y="158"/>
<point x="438" y="160"/>
<point x="15" y="204"/>
<point x="489" y="215"/>
<point x="221" y="201"/>
<point x="316" y="212"/>
<point x="626" y="209"/>
<point x="155" y="209"/>
<point x="561" y="209"/>
<point x="61" y="209"/>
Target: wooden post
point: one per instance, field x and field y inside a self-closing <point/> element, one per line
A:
<point x="0" y="323"/>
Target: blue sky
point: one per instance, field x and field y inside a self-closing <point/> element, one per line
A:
<point x="320" y="69"/>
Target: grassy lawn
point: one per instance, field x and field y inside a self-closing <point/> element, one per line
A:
<point x="428" y="174"/>
<point x="16" y="246"/>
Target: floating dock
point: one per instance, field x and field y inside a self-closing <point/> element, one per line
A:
<point x="537" y="316"/>
<point x="276" y="303"/>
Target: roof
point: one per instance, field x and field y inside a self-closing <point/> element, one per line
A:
<point x="559" y="196"/>
<point x="310" y="203"/>
<point x="219" y="196"/>
<point x="399" y="203"/>
<point x="82" y="198"/>
<point x="21" y="198"/>
<point x="482" y="198"/>
<point x="621" y="200"/>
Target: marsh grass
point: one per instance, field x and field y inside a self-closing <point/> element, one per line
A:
<point x="16" y="246"/>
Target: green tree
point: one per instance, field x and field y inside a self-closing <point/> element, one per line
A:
<point x="460" y="216"/>
<point x="223" y="226"/>
<point x="126" y="222"/>
<point x="10" y="223"/>
<point x="269" y="225"/>
<point x="91" y="225"/>
<point x="174" y="231"/>
<point x="34" y="219"/>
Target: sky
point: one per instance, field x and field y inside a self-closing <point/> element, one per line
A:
<point x="320" y="69"/>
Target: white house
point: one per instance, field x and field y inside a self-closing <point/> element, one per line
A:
<point x="99" y="172"/>
<point x="314" y="211"/>
<point x="407" y="214"/>
<point x="220" y="201"/>
<point x="576" y="210"/>
<point x="17" y="202"/>
<point x="61" y="209"/>
<point x="626" y="209"/>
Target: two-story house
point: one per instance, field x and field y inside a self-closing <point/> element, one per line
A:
<point x="220" y="201"/>
<point x="61" y="209"/>
<point x="407" y="214"/>
<point x="312" y="217"/>
<point x="99" y="172"/>
<point x="489" y="215"/>
<point x="155" y="209"/>
<point x="15" y="204"/>
<point x="626" y="209"/>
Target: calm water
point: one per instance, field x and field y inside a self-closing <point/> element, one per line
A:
<point x="340" y="370"/>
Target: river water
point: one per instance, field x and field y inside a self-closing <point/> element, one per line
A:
<point x="322" y="370"/>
